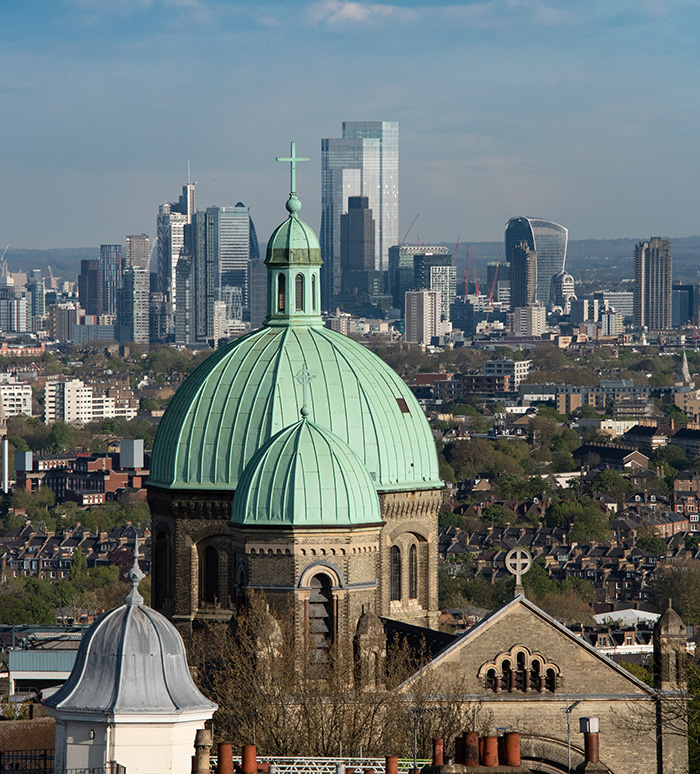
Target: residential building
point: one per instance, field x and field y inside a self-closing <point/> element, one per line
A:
<point x="612" y="323"/>
<point x="653" y="268"/>
<point x="90" y="287"/>
<point x="516" y="369"/>
<point x="68" y="401"/>
<point x="529" y="320"/>
<point x="16" y="396"/>
<point x="548" y="241"/>
<point x="133" y="306"/>
<point x="111" y="277"/>
<point x="138" y="252"/>
<point x="185" y="311"/>
<point x="13" y="307"/>
<point x="364" y="162"/>
<point x="62" y="320"/>
<point x="422" y="316"/>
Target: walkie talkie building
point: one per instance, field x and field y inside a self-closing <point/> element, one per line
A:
<point x="548" y="240"/>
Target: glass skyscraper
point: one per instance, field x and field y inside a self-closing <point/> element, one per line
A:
<point x="364" y="162"/>
<point x="548" y="240"/>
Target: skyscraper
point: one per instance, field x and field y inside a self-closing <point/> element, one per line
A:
<point x="402" y="268"/>
<point x="138" y="251"/>
<point x="172" y="219"/>
<point x="548" y="242"/>
<point x="652" y="284"/>
<point x="133" y="306"/>
<point x="364" y="162"/>
<point x="111" y="276"/>
<point x="422" y="316"/>
<point x="357" y="253"/>
<point x="90" y="287"/>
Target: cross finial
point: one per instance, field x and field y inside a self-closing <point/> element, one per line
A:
<point x="135" y="576"/>
<point x="292" y="158"/>
<point x="304" y="378"/>
<point x="518" y="561"/>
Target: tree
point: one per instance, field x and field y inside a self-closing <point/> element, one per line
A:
<point x="61" y="437"/>
<point x="78" y="568"/>
<point x="679" y="582"/>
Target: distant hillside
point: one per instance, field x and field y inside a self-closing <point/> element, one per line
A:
<point x="592" y="261"/>
<point x="64" y="261"/>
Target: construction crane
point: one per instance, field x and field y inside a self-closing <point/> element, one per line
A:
<point x="466" y="273"/>
<point x="493" y="284"/>
<point x="413" y="223"/>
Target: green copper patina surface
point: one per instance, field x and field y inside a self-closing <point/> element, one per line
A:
<point x="305" y="476"/>
<point x="246" y="392"/>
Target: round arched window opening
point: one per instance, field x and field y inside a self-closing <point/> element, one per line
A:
<point x="395" y="570"/>
<point x="299" y="292"/>
<point x="281" y="291"/>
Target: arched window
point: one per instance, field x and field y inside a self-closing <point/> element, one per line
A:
<point x="550" y="681"/>
<point x="210" y="576"/>
<point x="413" y="572"/>
<point x="521" y="674"/>
<point x="491" y="681"/>
<point x="313" y="292"/>
<point x="506" y="676"/>
<point x="280" y="293"/>
<point x="395" y="562"/>
<point x="536" y="676"/>
<point x="299" y="292"/>
<point x="320" y="623"/>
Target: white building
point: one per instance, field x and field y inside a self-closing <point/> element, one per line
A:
<point x="16" y="396"/>
<point x="422" y="316"/>
<point x="530" y="320"/>
<point x="75" y="402"/>
<point x="517" y="369"/>
<point x="68" y="401"/>
<point x="612" y="323"/>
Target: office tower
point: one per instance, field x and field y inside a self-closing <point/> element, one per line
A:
<point x="620" y="300"/>
<point x="422" y="316"/>
<point x="357" y="252"/>
<point x="132" y="318"/>
<point x="138" y="251"/>
<point x="111" y="274"/>
<point x="364" y="162"/>
<point x="682" y="305"/>
<point x="548" y="242"/>
<point x="232" y="235"/>
<point x="257" y="302"/>
<point x="185" y="314"/>
<point x="584" y="310"/>
<point x="13" y="307"/>
<point x="523" y="275"/>
<point x="402" y="268"/>
<point x="652" y="284"/>
<point x="172" y="219"/>
<point x="90" y="287"/>
<point x="37" y="294"/>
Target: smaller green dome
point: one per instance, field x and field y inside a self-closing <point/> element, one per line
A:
<point x="305" y="476"/>
<point x="293" y="242"/>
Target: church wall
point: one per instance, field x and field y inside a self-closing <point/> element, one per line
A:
<point x="410" y="517"/>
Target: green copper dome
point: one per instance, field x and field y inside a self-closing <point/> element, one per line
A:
<point x="246" y="393"/>
<point x="305" y="476"/>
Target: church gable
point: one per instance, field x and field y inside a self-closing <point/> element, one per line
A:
<point x="520" y="650"/>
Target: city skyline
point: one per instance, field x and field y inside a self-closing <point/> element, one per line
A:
<point x="506" y="108"/>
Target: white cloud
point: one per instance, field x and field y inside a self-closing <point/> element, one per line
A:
<point x="341" y="12"/>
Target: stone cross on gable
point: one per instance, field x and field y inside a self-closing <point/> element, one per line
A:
<point x="293" y="158"/>
<point x="518" y="561"/>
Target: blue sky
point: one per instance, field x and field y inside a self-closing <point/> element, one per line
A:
<point x="584" y="112"/>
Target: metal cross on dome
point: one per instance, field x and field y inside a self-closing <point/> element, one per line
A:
<point x="293" y="158"/>
<point x="518" y="561"/>
<point x="304" y="377"/>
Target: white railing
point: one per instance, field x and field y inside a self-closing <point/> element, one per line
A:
<point x="294" y="765"/>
